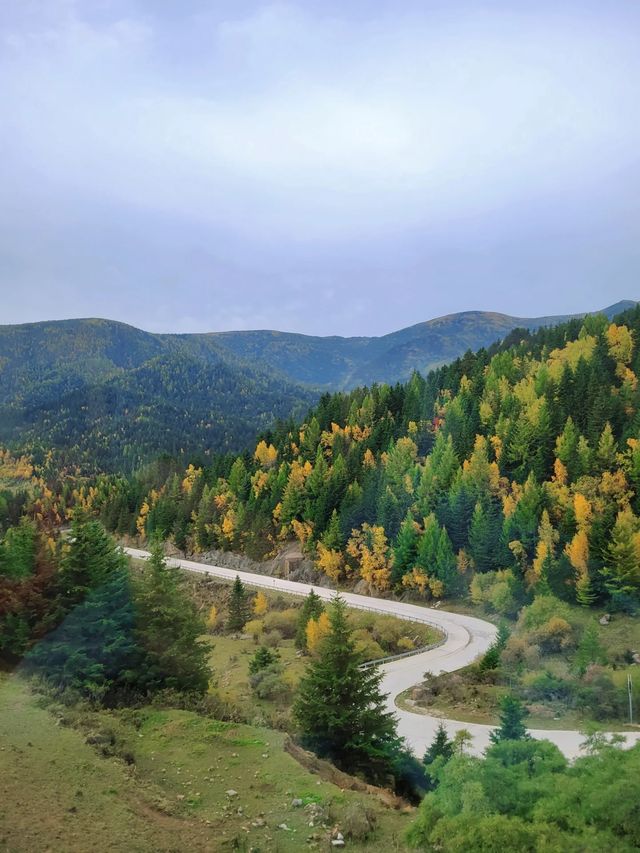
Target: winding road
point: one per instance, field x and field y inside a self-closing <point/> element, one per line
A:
<point x="466" y="638"/>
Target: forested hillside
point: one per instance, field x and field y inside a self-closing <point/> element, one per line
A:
<point x="108" y="397"/>
<point x="522" y="460"/>
<point x="336" y="363"/>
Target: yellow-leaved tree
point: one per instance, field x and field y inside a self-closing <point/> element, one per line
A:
<point x="370" y="548"/>
<point x="266" y="454"/>
<point x="260" y="604"/>
<point x="212" y="618"/>
<point x="316" y="631"/>
<point x="330" y="561"/>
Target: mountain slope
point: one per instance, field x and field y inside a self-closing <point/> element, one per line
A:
<point x="110" y="396"/>
<point x="344" y="363"/>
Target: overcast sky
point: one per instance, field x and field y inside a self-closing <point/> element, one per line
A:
<point x="334" y="167"/>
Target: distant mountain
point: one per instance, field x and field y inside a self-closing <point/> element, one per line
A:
<point x="344" y="363"/>
<point x="110" y="396"/>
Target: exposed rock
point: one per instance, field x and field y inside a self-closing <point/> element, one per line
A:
<point x="604" y="620"/>
<point x="231" y="793"/>
<point x="297" y="803"/>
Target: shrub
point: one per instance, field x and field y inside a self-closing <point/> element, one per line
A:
<point x="262" y="659"/>
<point x="272" y="639"/>
<point x="255" y="627"/>
<point x="555" y="635"/>
<point x="546" y="687"/>
<point x="283" y="621"/>
<point x="268" y="683"/>
<point x="497" y="591"/>
<point x="598" y="696"/>
<point x="541" y="610"/>
<point x="358" y="822"/>
<point x="519" y="651"/>
<point x="366" y="645"/>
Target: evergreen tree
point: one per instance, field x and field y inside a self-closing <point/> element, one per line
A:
<point x="340" y="710"/>
<point x="589" y="651"/>
<point x="332" y="537"/>
<point x="94" y="649"/>
<point x="405" y="550"/>
<point x="512" y="714"/>
<point x="311" y="609"/>
<point x="168" y="630"/>
<point x="622" y="560"/>
<point x="441" y="746"/>
<point x="18" y="550"/>
<point x="90" y="559"/>
<point x="262" y="659"/>
<point x="238" y="606"/>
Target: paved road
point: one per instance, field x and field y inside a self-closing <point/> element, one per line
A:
<point x="465" y="639"/>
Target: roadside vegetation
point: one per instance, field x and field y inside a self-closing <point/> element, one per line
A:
<point x="567" y="665"/>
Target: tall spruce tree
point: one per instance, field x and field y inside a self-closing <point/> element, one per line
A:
<point x="238" y="606"/>
<point x="89" y="561"/>
<point x="512" y="727"/>
<point x="340" y="709"/>
<point x="168" y="630"/>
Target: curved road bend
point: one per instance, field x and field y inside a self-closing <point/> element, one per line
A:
<point x="466" y="639"/>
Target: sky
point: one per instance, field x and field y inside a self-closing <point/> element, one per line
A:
<point x="323" y="167"/>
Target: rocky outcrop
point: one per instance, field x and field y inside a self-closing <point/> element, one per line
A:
<point x="288" y="563"/>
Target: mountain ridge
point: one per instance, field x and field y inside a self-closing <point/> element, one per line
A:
<point x="105" y="390"/>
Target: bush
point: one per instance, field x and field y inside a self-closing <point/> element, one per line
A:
<point x="255" y="627"/>
<point x="268" y="683"/>
<point x="283" y="621"/>
<point x="366" y="645"/>
<point x="546" y="687"/>
<point x="262" y="659"/>
<point x="358" y="822"/>
<point x="599" y="697"/>
<point x="497" y="591"/>
<point x="520" y="651"/>
<point x="555" y="635"/>
<point x="541" y="610"/>
<point x="272" y="639"/>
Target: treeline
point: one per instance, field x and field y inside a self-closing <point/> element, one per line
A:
<point x="523" y="459"/>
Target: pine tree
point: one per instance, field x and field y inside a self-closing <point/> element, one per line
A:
<point x="262" y="659"/>
<point x="589" y="651"/>
<point x="332" y="537"/>
<point x="238" y="606"/>
<point x="94" y="650"/>
<point x="405" y="550"/>
<point x="622" y="559"/>
<point x="512" y="714"/>
<point x="89" y="561"/>
<point x="169" y="629"/>
<point x="340" y="709"/>
<point x="441" y="746"/>
<point x="311" y="609"/>
<point x="18" y="550"/>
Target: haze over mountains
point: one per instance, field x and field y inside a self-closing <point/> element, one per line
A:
<point x="105" y="391"/>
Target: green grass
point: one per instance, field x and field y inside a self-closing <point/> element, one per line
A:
<point x="59" y="793"/>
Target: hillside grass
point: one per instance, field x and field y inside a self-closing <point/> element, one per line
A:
<point x="59" y="793"/>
